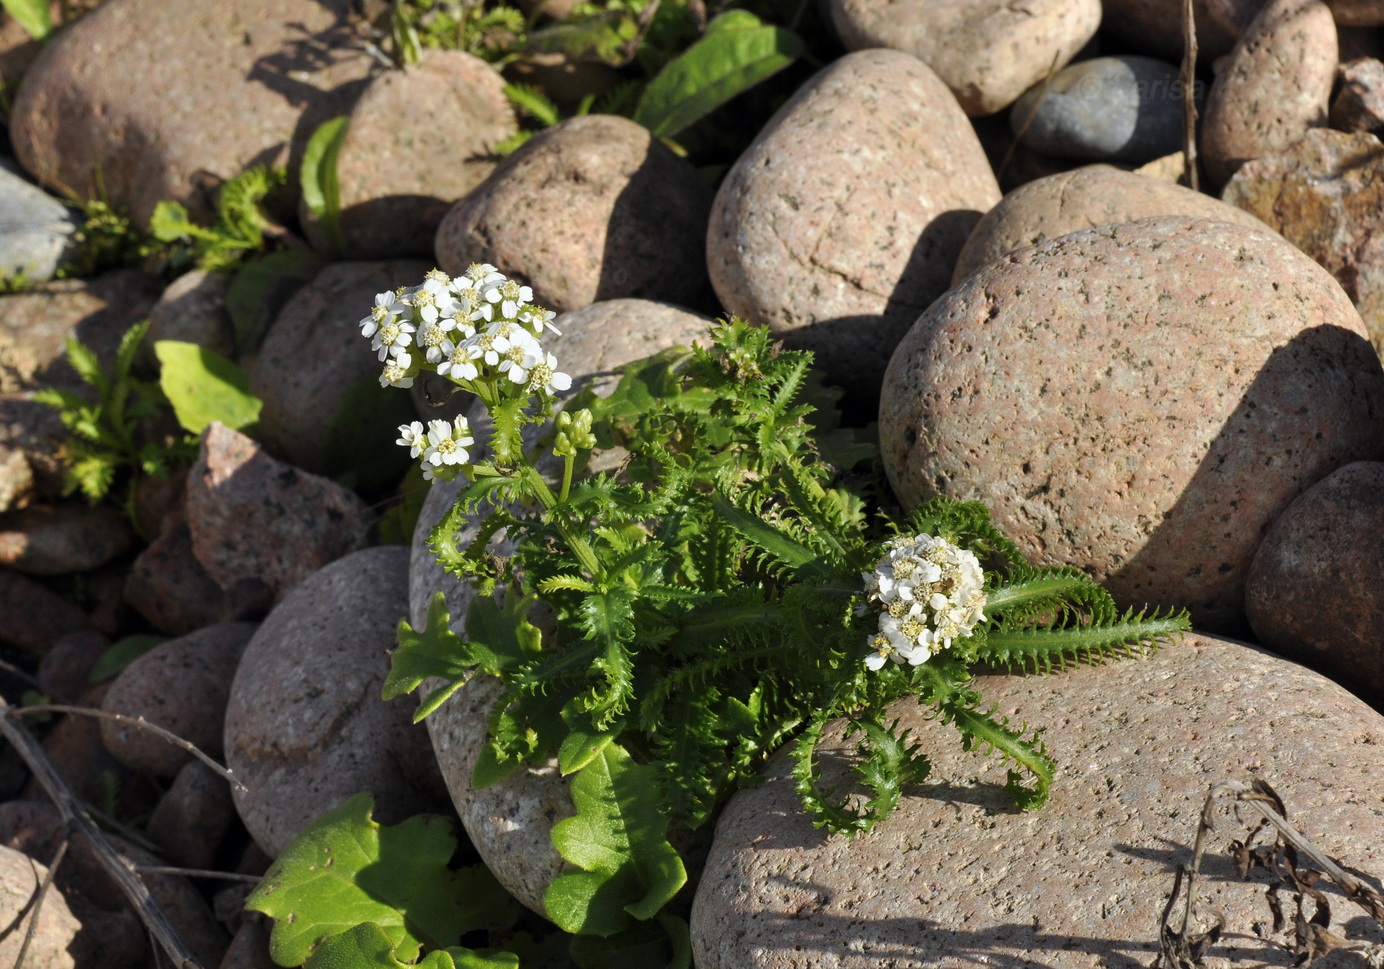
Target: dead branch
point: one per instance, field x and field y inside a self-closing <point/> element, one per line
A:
<point x="38" y="902"/>
<point x="14" y="730"/>
<point x="1188" y="76"/>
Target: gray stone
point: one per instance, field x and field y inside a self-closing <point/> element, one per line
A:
<point x="63" y="670"/>
<point x="257" y="520"/>
<point x="957" y="877"/>
<point x="1125" y="109"/>
<point x="987" y="51"/>
<point x="246" y="83"/>
<point x="192" y="309"/>
<point x="1138" y="401"/>
<point x="73" y="536"/>
<point x="192" y="818"/>
<point x="305" y="726"/>
<point x="36" y="230"/>
<point x="842" y="221"/>
<point x="42" y="614"/>
<point x="181" y="685"/>
<point x="168" y="586"/>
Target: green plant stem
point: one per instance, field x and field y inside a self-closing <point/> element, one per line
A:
<point x="580" y="548"/>
<point x="568" y="462"/>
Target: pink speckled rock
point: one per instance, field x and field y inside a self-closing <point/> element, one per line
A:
<point x="246" y="83"/>
<point x="1084" y="198"/>
<point x="305" y="726"/>
<point x="988" y="52"/>
<point x="509" y="822"/>
<point x="1139" y="401"/>
<point x="1359" y="103"/>
<point x="591" y="209"/>
<point x="418" y="139"/>
<point x="1314" y="592"/>
<point x="843" y="220"/>
<point x="958" y="878"/>
<point x="1154" y="27"/>
<point x="1276" y="85"/>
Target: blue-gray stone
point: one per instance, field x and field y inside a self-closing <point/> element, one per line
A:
<point x="37" y="232"/>
<point x="1125" y="108"/>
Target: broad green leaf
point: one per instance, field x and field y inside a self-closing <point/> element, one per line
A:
<point x="583" y="744"/>
<point x="121" y="654"/>
<point x="170" y="223"/>
<point x="367" y="946"/>
<point x="204" y="386"/>
<point x="32" y="15"/>
<point x="618" y="838"/>
<point x="261" y="288"/>
<point x="437" y="651"/>
<point x="345" y="870"/>
<point x="359" y="445"/>
<point x="318" y="175"/>
<point x="729" y="59"/>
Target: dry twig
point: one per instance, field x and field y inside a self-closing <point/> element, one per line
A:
<point x="39" y="897"/>
<point x="1188" y="78"/>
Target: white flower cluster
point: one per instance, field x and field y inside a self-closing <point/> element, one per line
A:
<point x="467" y="328"/>
<point x="441" y="443"/>
<point x="932" y="591"/>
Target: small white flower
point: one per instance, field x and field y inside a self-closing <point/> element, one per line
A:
<point x="431" y="337"/>
<point x="413" y="437"/>
<point x="448" y="443"/>
<point x="517" y="362"/>
<point x="932" y="592"/>
<point x="481" y="275"/>
<point x="456" y="362"/>
<point x="543" y="375"/>
<point x="538" y="319"/>
<point x="393" y="336"/>
<point x="387" y="306"/>
<point x="395" y="373"/>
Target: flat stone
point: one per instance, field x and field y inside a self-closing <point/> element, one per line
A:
<point x="1275" y="86"/>
<point x="73" y="536"/>
<point x="313" y="355"/>
<point x="1359" y="104"/>
<point x="957" y="877"/>
<point x="1126" y="108"/>
<point x="842" y="221"/>
<point x="1139" y="401"/>
<point x="246" y="84"/>
<point x="1313" y="592"/>
<point x="417" y="140"/>
<point x="594" y="208"/>
<point x="1083" y="198"/>
<point x="192" y="309"/>
<point x="1154" y="27"/>
<point x="36" y="230"/>
<point x="168" y="586"/>
<point x="305" y="726"/>
<point x="57" y="929"/>
<point x="47" y="615"/>
<point x="509" y="822"/>
<point x="255" y="519"/>
<point x="988" y="52"/>
<point x="181" y="685"/>
<point x="1325" y="194"/>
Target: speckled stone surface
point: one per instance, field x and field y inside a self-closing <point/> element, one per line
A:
<point x="1154" y="27"/>
<point x="1325" y="193"/>
<point x="1126" y="108"/>
<point x="988" y="52"/>
<point x="1357" y="13"/>
<point x="314" y="354"/>
<point x="509" y="821"/>
<point x="70" y="536"/>
<point x="246" y="83"/>
<point x="591" y="209"/>
<point x="842" y="221"/>
<point x="57" y="929"/>
<point x="1314" y="592"/>
<point x="1359" y="102"/>
<point x="1138" y="400"/>
<point x="191" y="309"/>
<point x="957" y="878"/>
<point x="1275" y="86"/>
<point x="1084" y="198"/>
<point x="418" y="139"/>
<point x="305" y="726"/>
<point x="180" y="685"/>
<point x="257" y="520"/>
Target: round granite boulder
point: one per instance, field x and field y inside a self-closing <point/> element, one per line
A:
<point x="594" y="208"/>
<point x="957" y="877"/>
<point x="305" y="726"/>
<point x="1314" y="591"/>
<point x="1139" y="401"/>
<point x="842" y="221"/>
<point x="509" y="822"/>
<point x="1275" y="85"/>
<point x="1083" y="198"/>
<point x="987" y="51"/>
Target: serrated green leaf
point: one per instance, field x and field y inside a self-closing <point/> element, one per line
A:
<point x="345" y="870"/>
<point x="85" y="362"/>
<point x="121" y="654"/>
<point x="318" y="176"/>
<point x="533" y="102"/>
<point x="730" y="59"/>
<point x="618" y="838"/>
<point x="170" y="223"/>
<point x="204" y="386"/>
<point x="32" y="15"/>
<point x="368" y="947"/>
<point x="435" y="652"/>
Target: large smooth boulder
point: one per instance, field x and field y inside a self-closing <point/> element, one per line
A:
<point x="1139" y="401"/>
<point x="843" y="220"/>
<point x="957" y="877"/>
